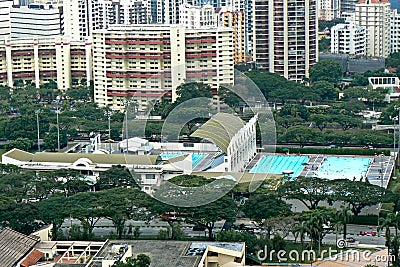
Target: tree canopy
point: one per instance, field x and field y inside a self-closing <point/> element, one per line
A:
<point x="326" y="70"/>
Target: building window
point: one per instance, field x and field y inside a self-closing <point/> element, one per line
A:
<point x="150" y="176"/>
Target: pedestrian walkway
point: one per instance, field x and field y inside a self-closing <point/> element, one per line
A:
<point x="253" y="162"/>
<point x="313" y="164"/>
<point x="380" y="170"/>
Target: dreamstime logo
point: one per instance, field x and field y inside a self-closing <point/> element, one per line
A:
<point x="181" y="118"/>
<point x="350" y="255"/>
<point x="341" y="243"/>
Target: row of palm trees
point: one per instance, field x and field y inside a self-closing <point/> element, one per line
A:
<point x="388" y="223"/>
<point x="312" y="224"/>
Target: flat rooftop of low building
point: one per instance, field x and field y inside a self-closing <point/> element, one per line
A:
<point x="21" y="155"/>
<point x="169" y="253"/>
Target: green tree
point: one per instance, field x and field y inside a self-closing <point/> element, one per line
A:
<point x="325" y="90"/>
<point x="326" y="70"/>
<point x="328" y="24"/>
<point x="300" y="229"/>
<point x="393" y="60"/>
<point x="20" y="217"/>
<point x="324" y="45"/>
<point x="301" y="135"/>
<point x="288" y="121"/>
<point x="357" y="194"/>
<point x="315" y="221"/>
<point x="206" y="215"/>
<point x="122" y="204"/>
<point x="390" y="221"/>
<point x="19" y="143"/>
<point x="309" y="190"/>
<point x="230" y="98"/>
<point x="78" y="93"/>
<point x="235" y="236"/>
<point x="116" y="176"/>
<point x="192" y="90"/>
<point x="294" y="110"/>
<point x="19" y="186"/>
<point x="141" y="260"/>
<point x="263" y="207"/>
<point x="320" y="120"/>
<point x="86" y="207"/>
<point x="346" y="121"/>
<point x="344" y="216"/>
<point x="52" y="211"/>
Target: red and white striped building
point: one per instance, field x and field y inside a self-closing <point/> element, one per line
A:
<point x="146" y="62"/>
<point x="40" y="60"/>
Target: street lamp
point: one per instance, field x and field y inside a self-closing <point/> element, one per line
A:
<point x="126" y="125"/>
<point x="379" y="211"/>
<point x="58" y="127"/>
<point x="381" y="157"/>
<point x="398" y="142"/>
<point x="108" y="114"/>
<point x="38" y="129"/>
<point x="394" y="134"/>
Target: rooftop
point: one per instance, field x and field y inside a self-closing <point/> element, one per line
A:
<point x="220" y="129"/>
<point x="73" y="157"/>
<point x="14" y="246"/>
<point x="167" y="253"/>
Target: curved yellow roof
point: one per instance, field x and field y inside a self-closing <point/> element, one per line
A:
<point x="220" y="129"/>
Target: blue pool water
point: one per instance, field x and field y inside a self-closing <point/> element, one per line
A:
<point x="196" y="157"/>
<point x="343" y="167"/>
<point x="278" y="164"/>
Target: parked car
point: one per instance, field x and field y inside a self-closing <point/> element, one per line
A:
<point x="350" y="240"/>
<point x="368" y="233"/>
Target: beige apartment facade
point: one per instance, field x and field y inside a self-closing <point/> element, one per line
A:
<point x="285" y="37"/>
<point x="39" y="60"/>
<point x="143" y="63"/>
<point x="375" y="17"/>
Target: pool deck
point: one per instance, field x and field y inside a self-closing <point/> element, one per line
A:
<point x="378" y="173"/>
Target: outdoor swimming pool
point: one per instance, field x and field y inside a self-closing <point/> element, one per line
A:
<point x="196" y="157"/>
<point x="343" y="168"/>
<point x="278" y="164"/>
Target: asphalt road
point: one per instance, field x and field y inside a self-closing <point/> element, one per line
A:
<point x="104" y="227"/>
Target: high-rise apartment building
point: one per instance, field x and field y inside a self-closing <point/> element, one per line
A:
<point x="395" y="29"/>
<point x="40" y="60"/>
<point x="285" y="37"/>
<point x="348" y="6"/>
<point x="236" y="20"/>
<point x="41" y="20"/>
<point x="375" y="17"/>
<point x="5" y="27"/>
<point x="348" y="38"/>
<point x="146" y="62"/>
<point x="196" y="17"/>
<point x="328" y="9"/>
<point x="248" y="17"/>
<point x="83" y="17"/>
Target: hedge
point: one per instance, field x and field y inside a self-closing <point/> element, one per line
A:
<point x="333" y="151"/>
